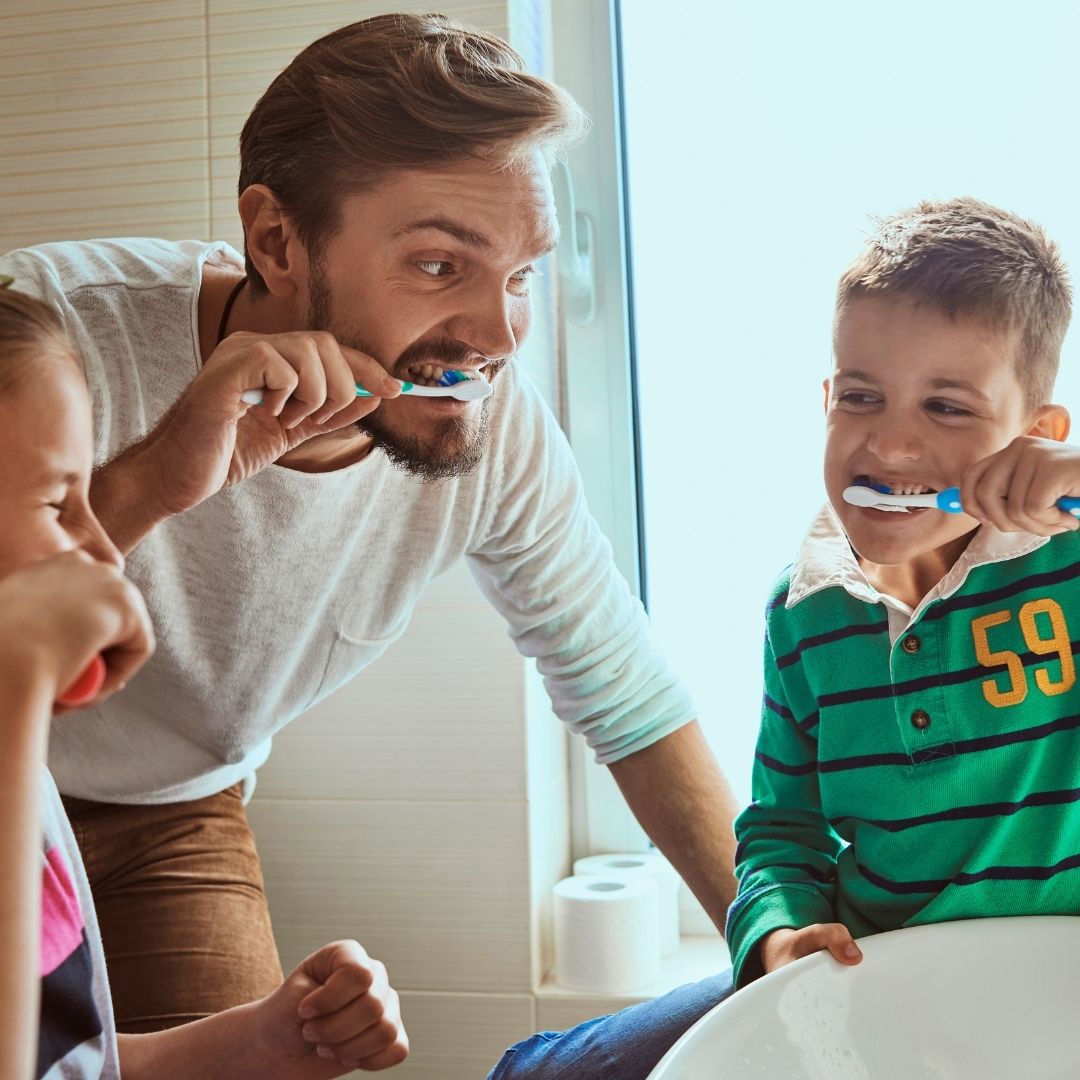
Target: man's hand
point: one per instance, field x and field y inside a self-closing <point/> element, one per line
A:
<point x="58" y="613"/>
<point x="783" y="946"/>
<point x="335" y="1012"/>
<point x="210" y="438"/>
<point x="1017" y="488"/>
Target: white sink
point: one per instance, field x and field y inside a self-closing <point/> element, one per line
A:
<point x="986" y="999"/>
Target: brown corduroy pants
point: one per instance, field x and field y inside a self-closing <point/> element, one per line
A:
<point x="179" y="896"/>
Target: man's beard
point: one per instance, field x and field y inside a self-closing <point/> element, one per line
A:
<point x="455" y="445"/>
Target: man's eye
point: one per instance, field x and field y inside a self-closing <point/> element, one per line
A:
<point x="525" y="273"/>
<point x="435" y="267"/>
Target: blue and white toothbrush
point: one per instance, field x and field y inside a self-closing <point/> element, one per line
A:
<point x="879" y="497"/>
<point x="455" y="384"/>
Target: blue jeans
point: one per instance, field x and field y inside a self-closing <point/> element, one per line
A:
<point x="626" y="1045"/>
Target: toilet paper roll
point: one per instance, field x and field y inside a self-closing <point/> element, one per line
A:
<point x="649" y="864"/>
<point x="606" y="938"/>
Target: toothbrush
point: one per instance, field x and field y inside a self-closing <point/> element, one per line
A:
<point x="86" y="687"/>
<point x="455" y="384"/>
<point x="879" y="497"/>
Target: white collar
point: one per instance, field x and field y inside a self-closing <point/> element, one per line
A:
<point x="826" y="559"/>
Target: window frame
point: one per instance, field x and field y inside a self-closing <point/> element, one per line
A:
<point x="599" y="384"/>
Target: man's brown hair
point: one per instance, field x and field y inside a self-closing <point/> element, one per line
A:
<point x="394" y="91"/>
<point x="968" y="258"/>
<point x="28" y="328"/>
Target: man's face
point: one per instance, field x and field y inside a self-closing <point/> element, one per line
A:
<point x="916" y="399"/>
<point x="430" y="271"/>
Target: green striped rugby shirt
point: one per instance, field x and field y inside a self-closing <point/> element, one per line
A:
<point x="923" y="775"/>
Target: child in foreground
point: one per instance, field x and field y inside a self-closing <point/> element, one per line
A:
<point x="919" y="746"/>
<point x="63" y="601"/>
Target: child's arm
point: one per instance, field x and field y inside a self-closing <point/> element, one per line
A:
<point x="26" y="704"/>
<point x="1017" y="488"/>
<point x="787" y="851"/>
<point x="54" y="616"/>
<point x="334" y="1013"/>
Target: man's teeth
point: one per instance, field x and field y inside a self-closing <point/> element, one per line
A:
<point x="426" y="374"/>
<point x="430" y="374"/>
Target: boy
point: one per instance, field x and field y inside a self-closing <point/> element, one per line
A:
<point x="919" y="754"/>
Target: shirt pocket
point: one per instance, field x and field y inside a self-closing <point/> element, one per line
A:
<point x="350" y="653"/>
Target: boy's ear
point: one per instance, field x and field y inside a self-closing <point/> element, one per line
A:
<point x="1051" y="422"/>
<point x="270" y="240"/>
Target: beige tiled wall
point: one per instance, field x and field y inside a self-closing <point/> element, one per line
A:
<point x="422" y="808"/>
<point x="103" y="119"/>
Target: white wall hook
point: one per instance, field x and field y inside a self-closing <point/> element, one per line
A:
<point x="575" y="253"/>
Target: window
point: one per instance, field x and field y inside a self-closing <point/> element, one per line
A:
<point x="758" y="140"/>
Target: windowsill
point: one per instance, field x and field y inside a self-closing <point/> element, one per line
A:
<point x="697" y="957"/>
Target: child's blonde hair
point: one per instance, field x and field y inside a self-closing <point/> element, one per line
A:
<point x="966" y="257"/>
<point x="27" y="326"/>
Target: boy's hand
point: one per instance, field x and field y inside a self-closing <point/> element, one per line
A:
<point x="783" y="946"/>
<point x="1017" y="488"/>
<point x="335" y="1012"/>
<point x="56" y="614"/>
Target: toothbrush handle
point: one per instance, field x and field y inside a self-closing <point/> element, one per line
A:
<point x="254" y="396"/>
<point x="86" y="687"/>
<point x="949" y="501"/>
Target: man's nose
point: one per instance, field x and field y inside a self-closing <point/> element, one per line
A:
<point x="489" y="324"/>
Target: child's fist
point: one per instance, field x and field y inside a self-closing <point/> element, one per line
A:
<point x="57" y="614"/>
<point x="1017" y="488"/>
<point x="351" y="1013"/>
<point x="783" y="946"/>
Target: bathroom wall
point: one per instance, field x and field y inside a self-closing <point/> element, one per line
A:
<point x="422" y="809"/>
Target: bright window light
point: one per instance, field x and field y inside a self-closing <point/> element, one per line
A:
<point x="759" y="140"/>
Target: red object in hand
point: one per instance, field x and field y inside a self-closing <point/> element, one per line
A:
<point x="86" y="687"/>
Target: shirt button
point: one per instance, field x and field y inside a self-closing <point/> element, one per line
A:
<point x="911" y="644"/>
<point x="920" y="719"/>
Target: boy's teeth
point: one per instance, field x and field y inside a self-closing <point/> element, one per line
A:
<point x="895" y="489"/>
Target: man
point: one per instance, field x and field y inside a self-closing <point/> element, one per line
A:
<point x="395" y="196"/>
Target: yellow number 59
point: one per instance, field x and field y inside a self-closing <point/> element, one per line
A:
<point x="1059" y="643"/>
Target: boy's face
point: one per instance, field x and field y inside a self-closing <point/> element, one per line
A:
<point x="915" y="400"/>
<point x="46" y="449"/>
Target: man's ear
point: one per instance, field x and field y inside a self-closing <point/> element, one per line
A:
<point x="271" y="242"/>
<point x="826" y="385"/>
<point x="1051" y="422"/>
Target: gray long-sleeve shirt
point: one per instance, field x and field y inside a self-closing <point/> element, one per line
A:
<point x="270" y="595"/>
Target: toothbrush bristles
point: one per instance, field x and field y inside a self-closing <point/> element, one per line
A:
<point x="450" y="378"/>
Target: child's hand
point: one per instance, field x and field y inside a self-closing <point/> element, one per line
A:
<point x="1016" y="489"/>
<point x="56" y="614"/>
<point x="335" y="1012"/>
<point x="783" y="946"/>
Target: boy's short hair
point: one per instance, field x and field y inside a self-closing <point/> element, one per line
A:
<point x="969" y="258"/>
<point x="27" y="327"/>
<point x="391" y="92"/>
